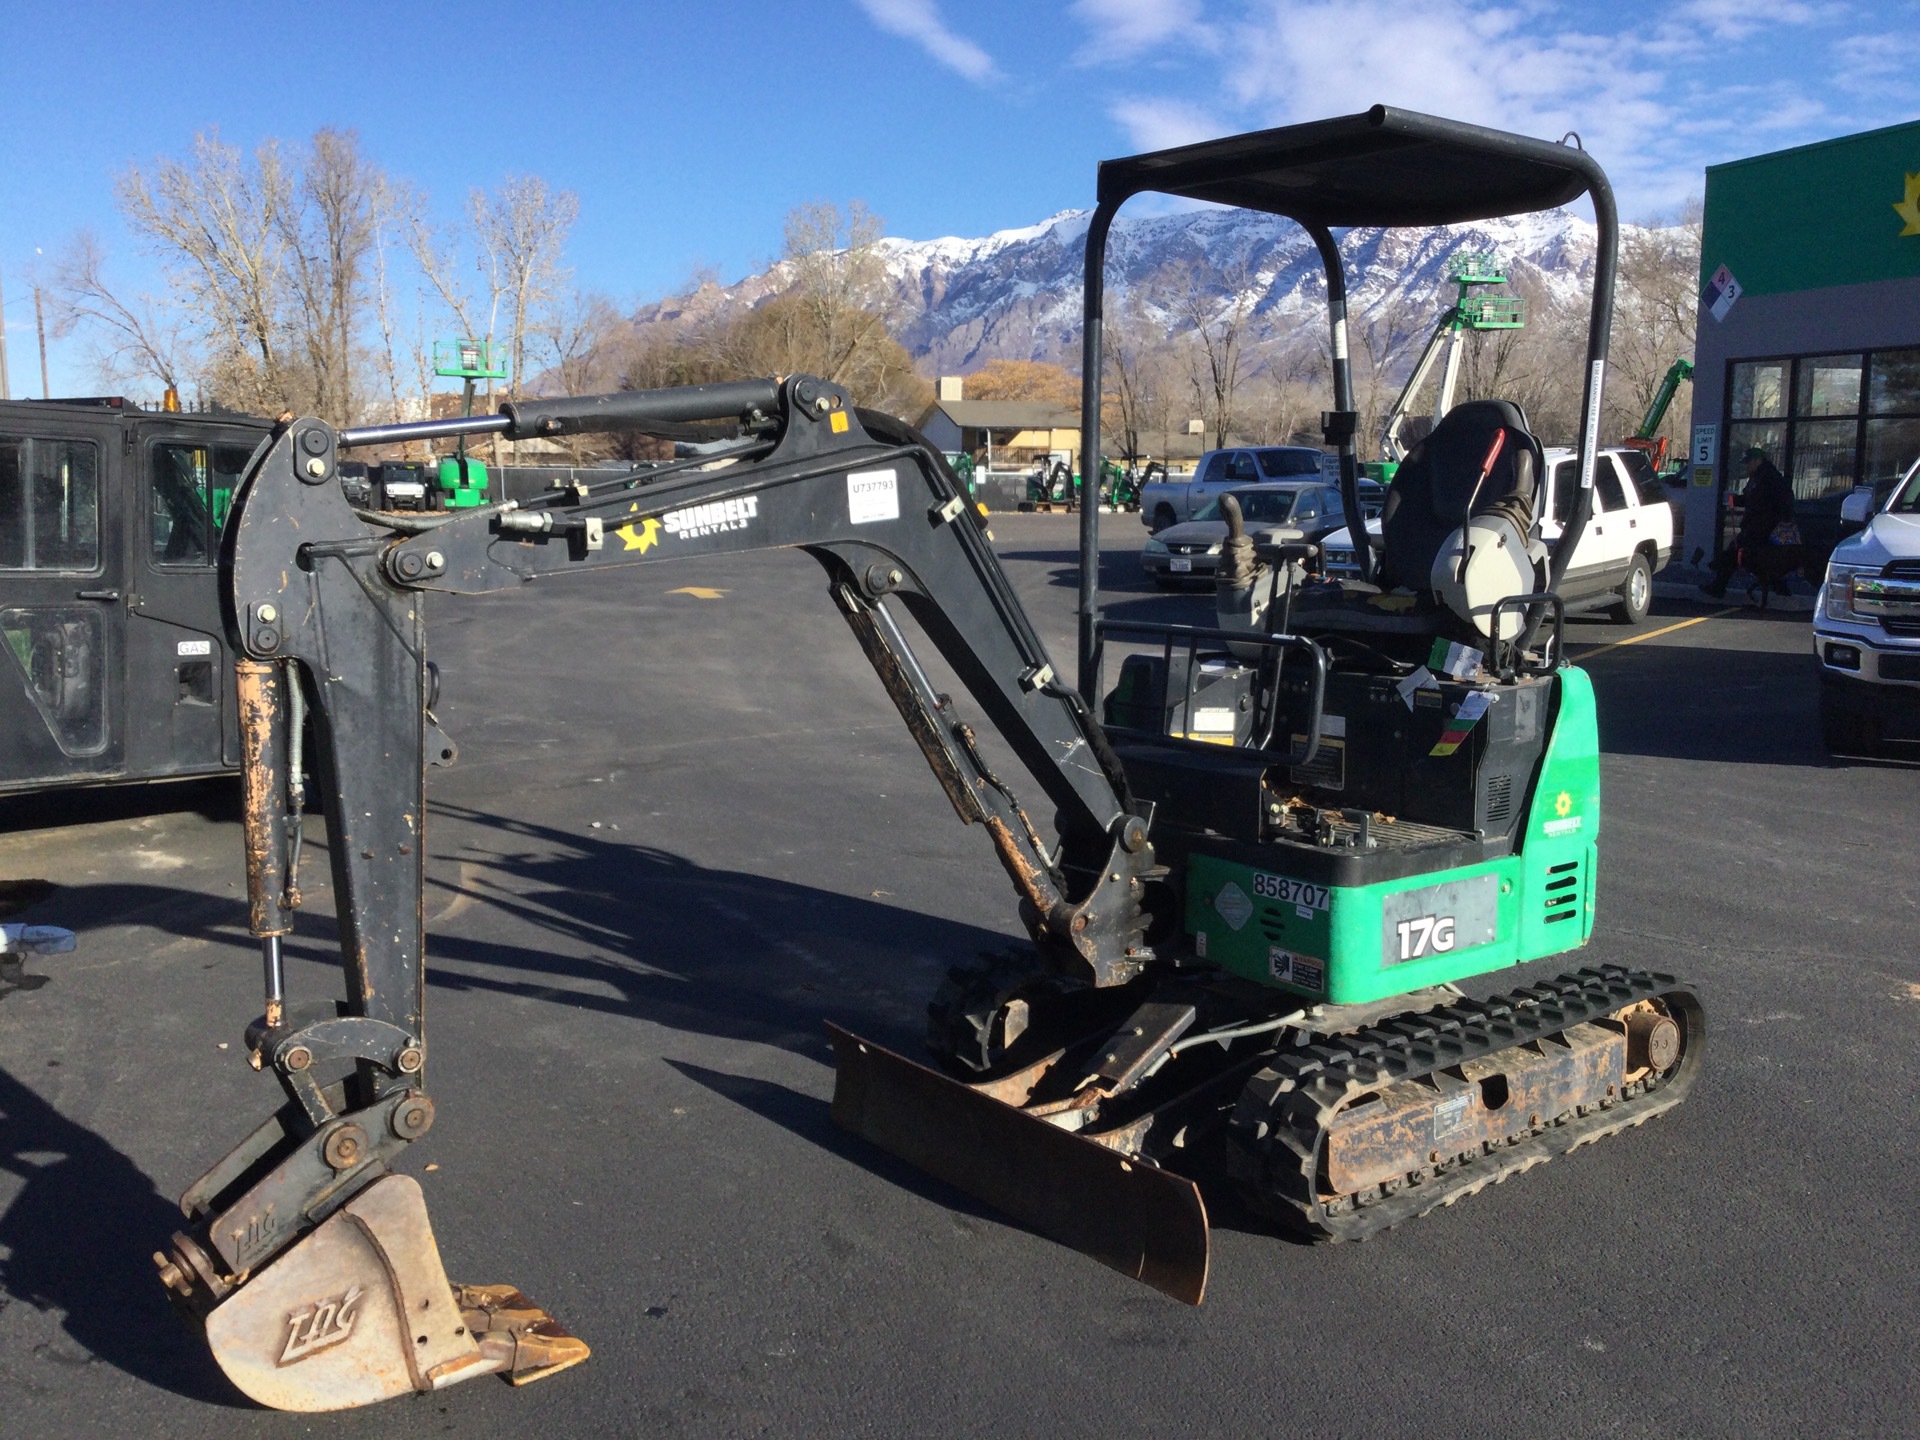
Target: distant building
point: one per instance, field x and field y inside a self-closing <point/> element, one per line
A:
<point x="1015" y="434"/>
<point x="1000" y="434"/>
<point x="1809" y="325"/>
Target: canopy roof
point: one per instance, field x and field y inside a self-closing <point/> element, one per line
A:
<point x="1384" y="167"/>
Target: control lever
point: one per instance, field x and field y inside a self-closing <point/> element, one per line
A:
<point x="1486" y="469"/>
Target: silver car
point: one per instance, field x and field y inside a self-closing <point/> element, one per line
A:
<point x="1191" y="550"/>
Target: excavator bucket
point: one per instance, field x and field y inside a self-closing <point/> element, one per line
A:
<point x="360" y="1310"/>
<point x="1143" y="1221"/>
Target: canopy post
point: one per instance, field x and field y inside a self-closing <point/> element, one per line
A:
<point x="1093" y="296"/>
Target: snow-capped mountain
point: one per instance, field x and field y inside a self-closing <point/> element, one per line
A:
<point x="1015" y="294"/>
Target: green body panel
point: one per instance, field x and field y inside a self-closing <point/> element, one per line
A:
<point x="1291" y="936"/>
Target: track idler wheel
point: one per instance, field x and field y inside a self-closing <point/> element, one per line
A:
<point x="360" y="1310"/>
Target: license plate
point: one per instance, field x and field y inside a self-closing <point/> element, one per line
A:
<point x="1180" y="564"/>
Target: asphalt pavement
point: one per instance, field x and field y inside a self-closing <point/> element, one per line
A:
<point x="687" y="827"/>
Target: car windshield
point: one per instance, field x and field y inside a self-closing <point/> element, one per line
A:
<point x="1278" y="464"/>
<point x="1907" y="501"/>
<point x="1265" y="506"/>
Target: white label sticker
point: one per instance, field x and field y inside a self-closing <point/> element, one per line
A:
<point x="1213" y="719"/>
<point x="1300" y="893"/>
<point x="1451" y="1114"/>
<point x="194" y="647"/>
<point x="872" y="495"/>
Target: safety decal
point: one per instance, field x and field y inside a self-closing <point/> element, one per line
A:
<point x="1234" y="906"/>
<point x="1291" y="969"/>
<point x="1465" y="717"/>
<point x="872" y="495"/>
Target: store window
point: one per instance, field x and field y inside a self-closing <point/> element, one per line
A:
<point x="1891" y="437"/>
<point x="1830" y="422"/>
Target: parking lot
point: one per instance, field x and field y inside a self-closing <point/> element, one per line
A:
<point x="687" y="827"/>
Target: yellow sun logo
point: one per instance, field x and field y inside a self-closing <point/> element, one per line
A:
<point x="643" y="539"/>
<point x="1563" y="805"/>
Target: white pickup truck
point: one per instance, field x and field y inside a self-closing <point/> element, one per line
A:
<point x="1628" y="538"/>
<point x="1866" y="631"/>
<point x="1168" y="502"/>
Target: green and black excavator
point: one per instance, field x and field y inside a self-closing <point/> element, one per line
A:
<point x="1278" y="844"/>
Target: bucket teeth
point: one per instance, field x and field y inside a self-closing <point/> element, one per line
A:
<point x="523" y="1341"/>
<point x="359" y="1310"/>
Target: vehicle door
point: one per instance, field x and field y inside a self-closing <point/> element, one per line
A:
<point x="1563" y="488"/>
<point x="1208" y="481"/>
<point x="181" y="716"/>
<point x="1614" y="526"/>
<point x="62" y="615"/>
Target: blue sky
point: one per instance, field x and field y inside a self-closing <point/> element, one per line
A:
<point x="689" y="129"/>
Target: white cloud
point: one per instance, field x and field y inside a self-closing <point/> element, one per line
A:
<point x="1510" y="67"/>
<point x="920" y="22"/>
<point x="1163" y="124"/>
<point x="1739" y="19"/>
<point x="1123" y="29"/>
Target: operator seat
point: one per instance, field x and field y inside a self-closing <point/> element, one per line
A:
<point x="1432" y="494"/>
<point x="1430" y="503"/>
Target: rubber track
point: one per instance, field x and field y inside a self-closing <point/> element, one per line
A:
<point x="1281" y="1121"/>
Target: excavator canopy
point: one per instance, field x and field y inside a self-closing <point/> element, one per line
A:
<point x="1383" y="167"/>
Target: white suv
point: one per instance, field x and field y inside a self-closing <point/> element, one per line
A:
<point x="1866" y="633"/>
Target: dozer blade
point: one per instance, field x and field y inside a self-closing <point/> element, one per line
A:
<point x="1143" y="1221"/>
<point x="360" y="1310"/>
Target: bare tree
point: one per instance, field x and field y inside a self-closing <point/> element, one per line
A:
<point x="520" y="234"/>
<point x="1381" y="343"/>
<point x="327" y="217"/>
<point x="135" y="338"/>
<point x="213" y="222"/>
<point x="1654" y="320"/>
<point x="830" y="320"/>
<point x="1215" y="306"/>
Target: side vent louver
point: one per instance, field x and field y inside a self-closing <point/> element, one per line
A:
<point x="1563" y="891"/>
<point x="1499" y="799"/>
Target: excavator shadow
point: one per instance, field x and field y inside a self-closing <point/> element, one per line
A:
<point x="76" y="1239"/>
<point x="521" y="909"/>
<point x="811" y="1120"/>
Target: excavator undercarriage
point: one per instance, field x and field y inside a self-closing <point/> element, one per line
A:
<point x="1271" y="857"/>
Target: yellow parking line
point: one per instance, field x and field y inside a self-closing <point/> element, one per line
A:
<point x="1656" y="634"/>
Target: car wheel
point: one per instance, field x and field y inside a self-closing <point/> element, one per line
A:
<point x="1162" y="517"/>
<point x="1848" y="731"/>
<point x="1636" y="592"/>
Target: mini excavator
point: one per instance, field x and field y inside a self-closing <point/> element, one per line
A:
<point x="1278" y="844"/>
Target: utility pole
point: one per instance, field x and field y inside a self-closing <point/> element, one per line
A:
<point x="5" y="392"/>
<point x="40" y="320"/>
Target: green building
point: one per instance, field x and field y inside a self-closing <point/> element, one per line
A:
<point x="1809" y="328"/>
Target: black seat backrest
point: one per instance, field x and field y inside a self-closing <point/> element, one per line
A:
<point x="1432" y="493"/>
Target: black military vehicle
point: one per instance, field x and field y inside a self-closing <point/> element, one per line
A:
<point x="115" y="664"/>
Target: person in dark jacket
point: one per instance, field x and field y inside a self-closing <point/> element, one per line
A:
<point x="1766" y="503"/>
